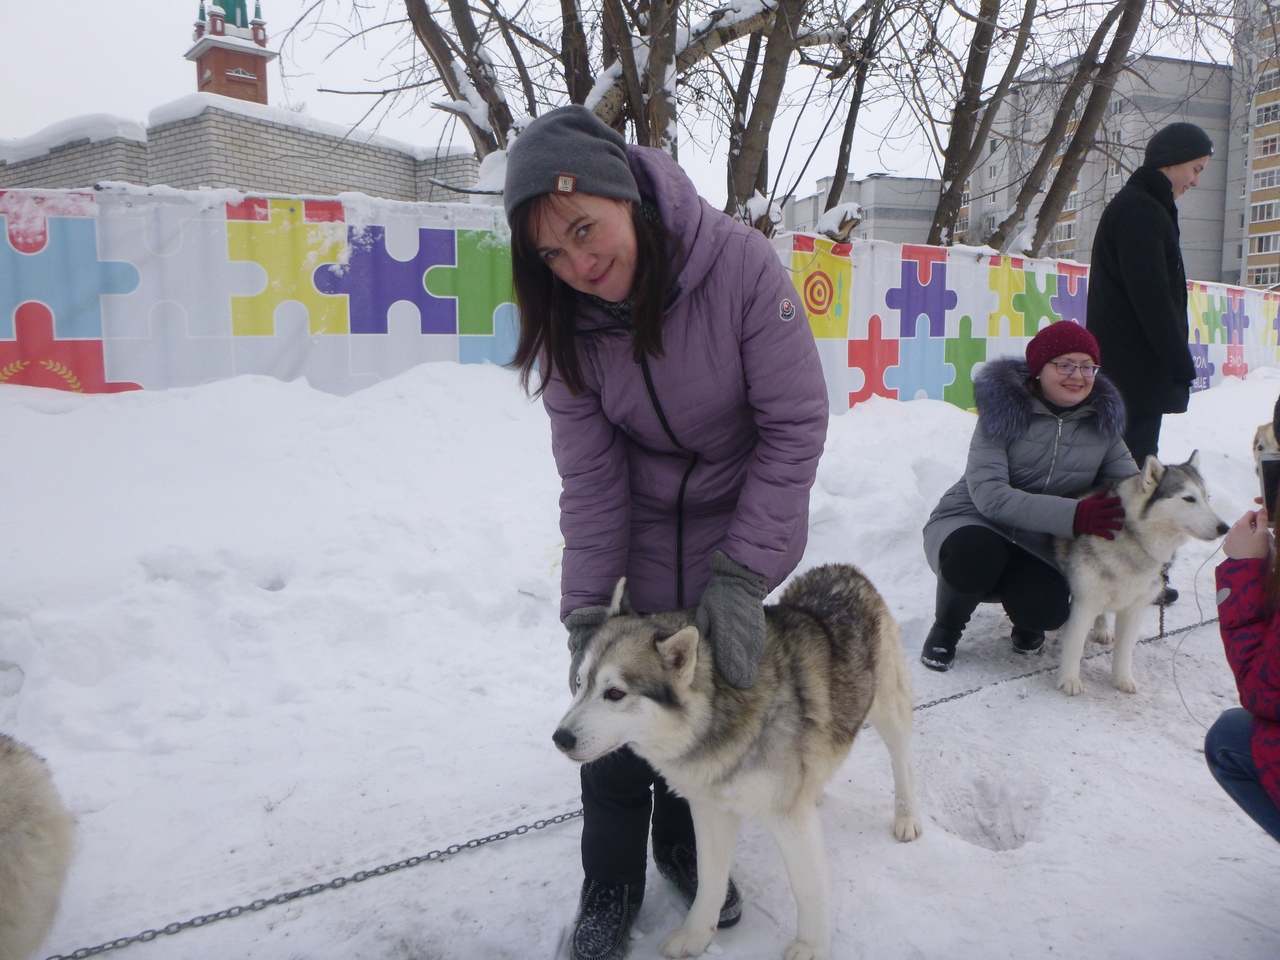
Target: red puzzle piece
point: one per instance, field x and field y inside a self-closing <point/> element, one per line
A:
<point x="873" y="356"/>
<point x="27" y="215"/>
<point x="36" y="359"/>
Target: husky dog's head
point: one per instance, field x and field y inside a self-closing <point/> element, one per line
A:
<point x="635" y="685"/>
<point x="1176" y="501"/>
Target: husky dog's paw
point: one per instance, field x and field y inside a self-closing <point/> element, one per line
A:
<point x="1124" y="684"/>
<point x="1071" y="686"/>
<point x="687" y="942"/>
<point x="802" y="950"/>
<point x="1102" y="632"/>
<point x="906" y="826"/>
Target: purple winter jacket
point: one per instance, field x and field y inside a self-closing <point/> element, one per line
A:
<point x="742" y="392"/>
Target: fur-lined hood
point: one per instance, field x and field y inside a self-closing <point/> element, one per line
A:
<point x="1006" y="404"/>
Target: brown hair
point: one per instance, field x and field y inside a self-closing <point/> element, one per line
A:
<point x="548" y="306"/>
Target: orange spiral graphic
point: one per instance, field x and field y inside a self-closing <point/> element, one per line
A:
<point x="818" y="293"/>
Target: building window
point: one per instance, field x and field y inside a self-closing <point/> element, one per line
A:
<point x="1268" y="146"/>
<point x="1267" y="113"/>
<point x="965" y="196"/>
<point x="991" y="172"/>
<point x="1268" y="80"/>
<point x="1264" y="243"/>
<point x="1262" y="212"/>
<point x="1266" y="179"/>
<point x="990" y="224"/>
<point x="1114" y="168"/>
<point x="1239" y="251"/>
<point x="1070" y="202"/>
<point x="962" y="226"/>
<point x="1064" y="231"/>
<point x="1264" y="276"/>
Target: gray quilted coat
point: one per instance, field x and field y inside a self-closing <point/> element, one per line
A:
<point x="1027" y="464"/>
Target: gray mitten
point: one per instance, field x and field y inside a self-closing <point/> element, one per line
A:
<point x="731" y="617"/>
<point x="581" y="624"/>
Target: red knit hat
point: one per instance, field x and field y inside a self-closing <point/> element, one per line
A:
<point x="1064" y="336"/>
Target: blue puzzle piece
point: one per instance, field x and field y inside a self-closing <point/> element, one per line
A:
<point x="922" y="366"/>
<point x="65" y="275"/>
<point x="500" y="347"/>
<point x="374" y="280"/>
<point x="914" y="300"/>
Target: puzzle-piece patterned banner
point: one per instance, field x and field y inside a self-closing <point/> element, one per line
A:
<point x="127" y="290"/>
<point x="131" y="289"/>
<point x="912" y="322"/>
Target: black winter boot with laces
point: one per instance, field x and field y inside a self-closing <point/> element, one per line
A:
<point x="605" y="915"/>
<point x="679" y="864"/>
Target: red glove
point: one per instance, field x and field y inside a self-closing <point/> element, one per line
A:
<point x="1098" y="516"/>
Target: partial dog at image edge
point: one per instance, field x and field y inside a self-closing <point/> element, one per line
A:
<point x="832" y="659"/>
<point x="1164" y="506"/>
<point x="35" y="850"/>
<point x="1264" y="439"/>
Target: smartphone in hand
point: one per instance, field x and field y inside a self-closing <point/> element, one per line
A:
<point x="1269" y="469"/>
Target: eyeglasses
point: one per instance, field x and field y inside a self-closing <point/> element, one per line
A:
<point x="1067" y="369"/>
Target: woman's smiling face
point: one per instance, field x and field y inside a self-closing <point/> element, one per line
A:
<point x="1067" y="390"/>
<point x="589" y="242"/>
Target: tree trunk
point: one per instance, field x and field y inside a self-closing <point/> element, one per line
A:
<point x="960" y="145"/>
<point x="866" y="57"/>
<point x="1083" y="140"/>
<point x="573" y="53"/>
<point x="1057" y="130"/>
<point x="658" y="82"/>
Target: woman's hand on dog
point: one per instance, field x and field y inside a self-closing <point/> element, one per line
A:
<point x="1250" y="537"/>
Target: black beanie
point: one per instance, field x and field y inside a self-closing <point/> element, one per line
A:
<point x="1177" y="143"/>
<point x="568" y="150"/>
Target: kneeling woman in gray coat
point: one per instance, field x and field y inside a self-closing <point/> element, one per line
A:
<point x="1048" y="431"/>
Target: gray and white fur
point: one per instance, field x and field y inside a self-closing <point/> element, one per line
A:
<point x="1164" y="506"/>
<point x="35" y="850"/>
<point x="832" y="660"/>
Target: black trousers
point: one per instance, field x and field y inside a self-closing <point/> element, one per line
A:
<point x="1142" y="436"/>
<point x="977" y="560"/>
<point x="620" y="792"/>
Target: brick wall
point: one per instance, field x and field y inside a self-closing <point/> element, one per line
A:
<point x="81" y="163"/>
<point x="221" y="148"/>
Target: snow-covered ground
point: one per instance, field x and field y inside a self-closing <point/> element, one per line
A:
<point x="267" y="637"/>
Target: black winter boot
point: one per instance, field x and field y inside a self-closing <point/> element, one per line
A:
<point x="679" y="864"/>
<point x="952" y="610"/>
<point x="605" y="915"/>
<point x="1026" y="641"/>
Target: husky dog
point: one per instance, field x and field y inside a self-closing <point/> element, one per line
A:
<point x="1164" y="506"/>
<point x="832" y="659"/>
<point x="35" y="850"/>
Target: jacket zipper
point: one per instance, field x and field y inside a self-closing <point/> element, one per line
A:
<point x="684" y="481"/>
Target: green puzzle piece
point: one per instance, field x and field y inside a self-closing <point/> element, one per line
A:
<point x="963" y="353"/>
<point x="481" y="281"/>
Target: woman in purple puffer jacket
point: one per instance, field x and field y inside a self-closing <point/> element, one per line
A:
<point x="688" y="412"/>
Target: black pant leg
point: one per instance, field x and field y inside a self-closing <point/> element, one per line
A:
<point x="1035" y="595"/>
<point x="672" y="820"/>
<point x="972" y="559"/>
<point x="616" y="802"/>
<point x="1142" y="435"/>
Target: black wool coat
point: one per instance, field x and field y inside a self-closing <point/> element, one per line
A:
<point x="1137" y="306"/>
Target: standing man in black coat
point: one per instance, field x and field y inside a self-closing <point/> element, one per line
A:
<point x="1137" y="308"/>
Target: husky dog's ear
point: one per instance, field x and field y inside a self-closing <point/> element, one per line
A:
<point x="621" y="602"/>
<point x="1193" y="461"/>
<point x="1152" y="471"/>
<point x="679" y="653"/>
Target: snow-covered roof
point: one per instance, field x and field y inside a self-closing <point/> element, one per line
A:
<point x="93" y="127"/>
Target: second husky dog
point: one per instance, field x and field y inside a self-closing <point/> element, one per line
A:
<point x="1164" y="506"/>
<point x="832" y="659"/>
<point x="35" y="850"/>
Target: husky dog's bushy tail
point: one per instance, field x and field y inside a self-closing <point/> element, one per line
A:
<point x="35" y="850"/>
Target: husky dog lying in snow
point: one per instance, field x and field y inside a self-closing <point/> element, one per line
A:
<point x="35" y="850"/>
<point x="832" y="659"/>
<point x="1164" y="506"/>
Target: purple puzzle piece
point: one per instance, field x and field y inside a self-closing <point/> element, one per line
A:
<point x="915" y="300"/>
<point x="374" y="280"/>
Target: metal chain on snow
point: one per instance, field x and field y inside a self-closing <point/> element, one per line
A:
<point x="335" y="884"/>
<point x="436" y="856"/>
<point x="1035" y="673"/>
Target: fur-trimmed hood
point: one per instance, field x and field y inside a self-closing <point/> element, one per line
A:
<point x="1006" y="404"/>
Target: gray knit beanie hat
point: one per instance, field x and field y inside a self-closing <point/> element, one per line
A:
<point x="568" y="150"/>
<point x="1177" y="143"/>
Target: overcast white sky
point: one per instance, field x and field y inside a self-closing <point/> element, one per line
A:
<point x="65" y="58"/>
